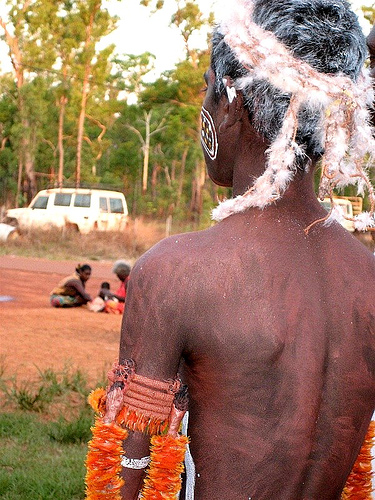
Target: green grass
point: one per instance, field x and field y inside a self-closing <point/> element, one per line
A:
<point x="72" y="432"/>
<point x="34" y="465"/>
<point x="43" y="436"/>
<point x="51" y="388"/>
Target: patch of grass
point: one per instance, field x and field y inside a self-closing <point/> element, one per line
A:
<point x="43" y="442"/>
<point x="56" y="244"/>
<point x="33" y="466"/>
<point x="61" y="388"/>
<point x="26" y="397"/>
<point x="72" y="432"/>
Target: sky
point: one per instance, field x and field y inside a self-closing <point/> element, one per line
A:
<point x="139" y="31"/>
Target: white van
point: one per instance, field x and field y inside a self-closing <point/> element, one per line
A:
<point x="82" y="209"/>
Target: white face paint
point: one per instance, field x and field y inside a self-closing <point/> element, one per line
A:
<point x="208" y="134"/>
<point x="232" y="94"/>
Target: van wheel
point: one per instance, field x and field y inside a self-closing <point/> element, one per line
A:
<point x="71" y="228"/>
<point x="11" y="221"/>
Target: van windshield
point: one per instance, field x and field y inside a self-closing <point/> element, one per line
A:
<point x="40" y="202"/>
<point x="82" y="200"/>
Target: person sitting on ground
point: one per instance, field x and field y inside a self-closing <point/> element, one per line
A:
<point x="105" y="290"/>
<point x="269" y="315"/>
<point x="115" y="302"/>
<point x="70" y="292"/>
<point x="104" y="294"/>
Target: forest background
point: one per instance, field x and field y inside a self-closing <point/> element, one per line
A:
<point x="74" y="113"/>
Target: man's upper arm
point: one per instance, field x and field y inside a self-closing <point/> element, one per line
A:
<point x="151" y="331"/>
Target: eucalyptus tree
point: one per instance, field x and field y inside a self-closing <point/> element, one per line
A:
<point x="30" y="47"/>
<point x="184" y="149"/>
<point x="96" y="23"/>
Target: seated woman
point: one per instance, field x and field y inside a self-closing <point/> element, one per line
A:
<point x="115" y="302"/>
<point x="70" y="292"/>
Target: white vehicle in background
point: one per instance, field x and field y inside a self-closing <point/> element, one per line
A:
<point x="82" y="209"/>
<point x="348" y="206"/>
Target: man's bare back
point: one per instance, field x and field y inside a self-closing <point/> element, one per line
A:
<point x="276" y="336"/>
<point x="269" y="316"/>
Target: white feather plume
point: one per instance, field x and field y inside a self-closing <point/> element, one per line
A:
<point x="346" y="134"/>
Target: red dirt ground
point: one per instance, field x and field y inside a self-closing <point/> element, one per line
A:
<point x="33" y="335"/>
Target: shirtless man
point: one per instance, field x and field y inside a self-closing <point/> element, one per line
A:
<point x="271" y="326"/>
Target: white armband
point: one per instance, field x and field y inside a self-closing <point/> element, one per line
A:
<point x="135" y="463"/>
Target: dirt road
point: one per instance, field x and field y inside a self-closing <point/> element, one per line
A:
<point x="34" y="335"/>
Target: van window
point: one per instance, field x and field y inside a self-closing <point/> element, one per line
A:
<point x="103" y="204"/>
<point x="40" y="202"/>
<point x="326" y="205"/>
<point x="82" y="200"/>
<point x="62" y="199"/>
<point x="116" y="205"/>
<point x="344" y="207"/>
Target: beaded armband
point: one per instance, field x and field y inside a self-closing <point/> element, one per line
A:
<point x="136" y="403"/>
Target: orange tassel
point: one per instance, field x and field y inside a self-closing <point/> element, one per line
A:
<point x="131" y="419"/>
<point x="137" y="421"/>
<point x="103" y="461"/>
<point x="163" y="480"/>
<point x="359" y="483"/>
<point x="96" y="399"/>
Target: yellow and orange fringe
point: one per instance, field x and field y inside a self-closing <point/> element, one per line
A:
<point x="359" y="483"/>
<point x="103" y="463"/>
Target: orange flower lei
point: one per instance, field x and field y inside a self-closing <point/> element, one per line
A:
<point x="359" y="483"/>
<point x="103" y="480"/>
<point x="163" y="480"/>
<point x="103" y="461"/>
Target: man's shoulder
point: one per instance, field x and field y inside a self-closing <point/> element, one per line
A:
<point x="174" y="256"/>
<point x="174" y="249"/>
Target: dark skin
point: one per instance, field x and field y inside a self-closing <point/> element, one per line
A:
<point x="274" y="331"/>
<point x="122" y="275"/>
<point x="371" y="48"/>
<point x="79" y="285"/>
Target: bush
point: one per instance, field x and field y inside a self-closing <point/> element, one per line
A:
<point x="76" y="431"/>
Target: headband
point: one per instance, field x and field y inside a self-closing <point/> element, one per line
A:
<point x="344" y="117"/>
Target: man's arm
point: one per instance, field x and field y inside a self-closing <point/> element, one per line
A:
<point x="152" y="338"/>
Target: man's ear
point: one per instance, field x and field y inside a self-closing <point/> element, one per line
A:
<point x="232" y="103"/>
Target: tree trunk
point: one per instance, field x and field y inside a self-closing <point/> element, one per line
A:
<point x="63" y="103"/>
<point x="173" y="170"/>
<point x="27" y="147"/>
<point x="81" y="123"/>
<point x="146" y="152"/>
<point x="85" y="90"/>
<point x="154" y="180"/>
<point x="196" y="195"/>
<point x="182" y="175"/>
<point x="25" y="157"/>
<point x="19" y="181"/>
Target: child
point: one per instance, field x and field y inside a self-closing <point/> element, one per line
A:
<point x="98" y="304"/>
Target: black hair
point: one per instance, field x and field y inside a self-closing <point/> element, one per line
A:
<point x="105" y="285"/>
<point x="324" y="33"/>
<point x="84" y="267"/>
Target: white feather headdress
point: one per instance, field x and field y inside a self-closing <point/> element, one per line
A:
<point x="347" y="136"/>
